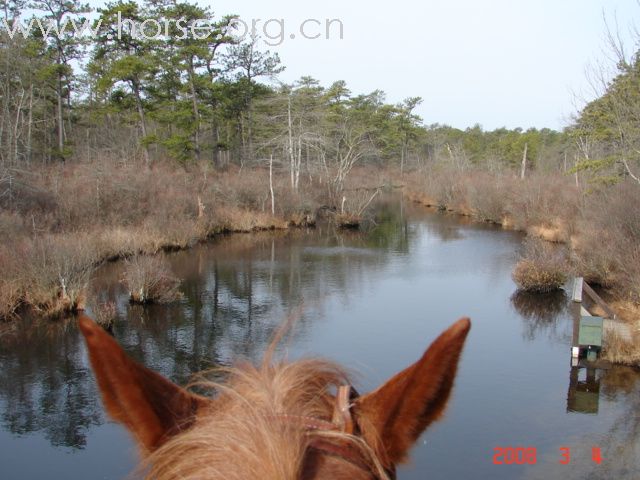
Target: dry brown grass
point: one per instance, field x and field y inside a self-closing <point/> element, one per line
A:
<point x="150" y="280"/>
<point x="105" y="313"/>
<point x="233" y="219"/>
<point x="622" y="351"/>
<point x="534" y="277"/>
<point x="541" y="268"/>
<point x="553" y="231"/>
<point x="10" y="297"/>
<point x="627" y="310"/>
<point x="347" y="220"/>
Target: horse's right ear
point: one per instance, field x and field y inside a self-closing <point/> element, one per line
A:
<point x="393" y="416"/>
<point x="149" y="405"/>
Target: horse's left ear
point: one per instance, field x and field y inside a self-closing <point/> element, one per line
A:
<point x="149" y="405"/>
<point x="393" y="416"/>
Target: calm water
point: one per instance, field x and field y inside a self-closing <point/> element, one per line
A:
<point x="372" y="301"/>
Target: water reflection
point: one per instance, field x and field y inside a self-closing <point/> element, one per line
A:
<point x="235" y="294"/>
<point x="45" y="384"/>
<point x="619" y="445"/>
<point x="584" y="390"/>
<point x="539" y="312"/>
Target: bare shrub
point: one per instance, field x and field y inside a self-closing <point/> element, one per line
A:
<point x="149" y="279"/>
<point x="630" y="273"/>
<point x="607" y="246"/>
<point x="447" y="189"/>
<point x="9" y="299"/>
<point x="55" y="271"/>
<point x="543" y="200"/>
<point x="105" y="313"/>
<point x="348" y="220"/>
<point x="10" y="292"/>
<point x="607" y="242"/>
<point x="247" y="190"/>
<point x="487" y="196"/>
<point x="542" y="268"/>
<point x="592" y="258"/>
<point x="11" y="227"/>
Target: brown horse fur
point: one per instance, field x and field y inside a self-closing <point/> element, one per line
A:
<point x="243" y="432"/>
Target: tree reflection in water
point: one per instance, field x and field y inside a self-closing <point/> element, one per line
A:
<point x="236" y="293"/>
<point x="45" y="384"/>
<point x="539" y="312"/>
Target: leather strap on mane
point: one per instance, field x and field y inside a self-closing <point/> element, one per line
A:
<point x="341" y="421"/>
<point x="342" y="409"/>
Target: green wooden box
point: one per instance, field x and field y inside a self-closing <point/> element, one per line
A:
<point x="590" y="333"/>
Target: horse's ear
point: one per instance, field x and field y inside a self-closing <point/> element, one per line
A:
<point x="148" y="404"/>
<point x="393" y="416"/>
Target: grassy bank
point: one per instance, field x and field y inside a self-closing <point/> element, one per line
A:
<point x="61" y="222"/>
<point x="600" y="227"/>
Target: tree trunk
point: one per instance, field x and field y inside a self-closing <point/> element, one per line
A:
<point x="29" y="127"/>
<point x="143" y="125"/>
<point x="523" y="168"/>
<point x="16" y="134"/>
<point x="249" y="103"/>
<point x="273" y="205"/>
<point x="292" y="155"/>
<point x="196" y="115"/>
<point x="60" y="117"/>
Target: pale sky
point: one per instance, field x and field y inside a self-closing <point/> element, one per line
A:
<point x="499" y="63"/>
<point x="511" y="63"/>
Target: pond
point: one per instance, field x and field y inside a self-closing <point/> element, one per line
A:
<point x="372" y="301"/>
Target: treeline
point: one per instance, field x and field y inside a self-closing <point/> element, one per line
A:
<point x="120" y="94"/>
<point x="123" y="93"/>
<point x="606" y="133"/>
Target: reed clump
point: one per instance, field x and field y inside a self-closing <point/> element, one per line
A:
<point x="542" y="268"/>
<point x="149" y="279"/>
<point x="105" y="314"/>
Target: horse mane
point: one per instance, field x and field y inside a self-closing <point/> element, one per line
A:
<point x="278" y="420"/>
<point x="244" y="434"/>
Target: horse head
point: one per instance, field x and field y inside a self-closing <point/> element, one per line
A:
<point x="296" y="420"/>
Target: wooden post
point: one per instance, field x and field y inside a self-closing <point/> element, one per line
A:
<point x="577" y="289"/>
<point x="575" y="347"/>
<point x="601" y="303"/>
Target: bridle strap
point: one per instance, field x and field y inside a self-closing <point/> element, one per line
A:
<point x="343" y="451"/>
<point x="341" y="421"/>
<point x="342" y="410"/>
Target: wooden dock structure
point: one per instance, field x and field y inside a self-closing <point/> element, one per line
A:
<point x="589" y="331"/>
